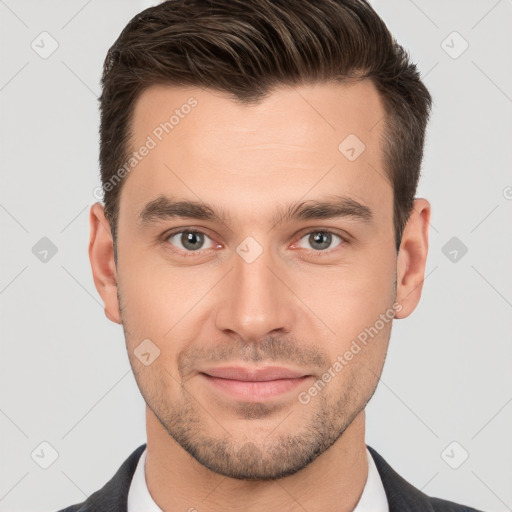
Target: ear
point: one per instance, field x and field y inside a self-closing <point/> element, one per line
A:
<point x="412" y="258"/>
<point x="101" y="255"/>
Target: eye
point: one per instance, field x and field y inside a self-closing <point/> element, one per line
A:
<point x="320" y="240"/>
<point x="190" y="240"/>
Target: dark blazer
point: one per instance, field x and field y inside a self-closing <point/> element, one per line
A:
<point x="402" y="496"/>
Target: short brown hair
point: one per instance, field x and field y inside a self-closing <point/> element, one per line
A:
<point x="246" y="47"/>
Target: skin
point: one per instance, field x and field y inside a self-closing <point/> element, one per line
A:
<point x="295" y="306"/>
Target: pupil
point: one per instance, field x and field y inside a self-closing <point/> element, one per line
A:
<point x="321" y="238"/>
<point x="190" y="240"/>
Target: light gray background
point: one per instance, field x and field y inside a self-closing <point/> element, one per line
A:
<point x="65" y="376"/>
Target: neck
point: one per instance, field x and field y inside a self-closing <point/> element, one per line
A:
<point x="333" y="481"/>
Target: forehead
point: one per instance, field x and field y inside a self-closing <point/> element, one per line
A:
<point x="298" y="142"/>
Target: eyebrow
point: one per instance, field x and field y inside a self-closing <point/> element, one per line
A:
<point x="334" y="206"/>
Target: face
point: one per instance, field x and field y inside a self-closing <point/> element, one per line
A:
<point x="256" y="257"/>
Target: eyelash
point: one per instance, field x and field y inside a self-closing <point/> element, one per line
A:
<point x="185" y="253"/>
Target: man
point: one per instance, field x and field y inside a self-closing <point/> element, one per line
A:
<point x="284" y="140"/>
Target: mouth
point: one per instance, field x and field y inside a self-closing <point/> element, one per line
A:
<point x="254" y="384"/>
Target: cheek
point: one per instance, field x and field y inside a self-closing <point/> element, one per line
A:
<point x="144" y="296"/>
<point x="349" y="298"/>
<point x="160" y="301"/>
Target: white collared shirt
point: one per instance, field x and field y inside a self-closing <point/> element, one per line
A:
<point x="373" y="498"/>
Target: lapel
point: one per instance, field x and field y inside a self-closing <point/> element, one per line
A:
<point x="113" y="496"/>
<point x="402" y="496"/>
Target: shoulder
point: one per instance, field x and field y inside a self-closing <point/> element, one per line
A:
<point x="402" y="496"/>
<point x="113" y="496"/>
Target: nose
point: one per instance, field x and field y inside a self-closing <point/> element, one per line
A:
<point x="255" y="300"/>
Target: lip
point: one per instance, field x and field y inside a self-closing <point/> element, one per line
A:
<point x="254" y="384"/>
<point x="253" y="374"/>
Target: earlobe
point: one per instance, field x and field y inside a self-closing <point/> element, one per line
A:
<point x="101" y="256"/>
<point x="412" y="258"/>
